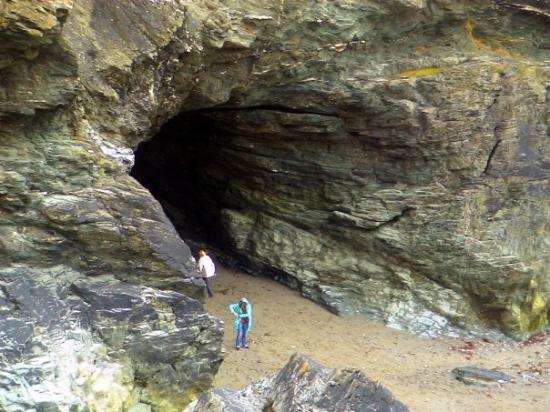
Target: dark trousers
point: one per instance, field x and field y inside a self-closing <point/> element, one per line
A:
<point x="241" y="335"/>
<point x="207" y="285"/>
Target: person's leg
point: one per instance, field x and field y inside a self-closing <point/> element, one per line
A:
<point x="238" y="340"/>
<point x="243" y="335"/>
<point x="208" y="291"/>
<point x="245" y="331"/>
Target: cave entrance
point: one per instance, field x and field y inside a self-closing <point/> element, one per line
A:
<point x="186" y="169"/>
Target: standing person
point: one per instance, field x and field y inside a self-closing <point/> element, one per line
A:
<point x="243" y="321"/>
<point x="207" y="270"/>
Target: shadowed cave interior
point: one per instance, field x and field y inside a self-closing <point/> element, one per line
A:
<point x="178" y="166"/>
<point x="188" y="168"/>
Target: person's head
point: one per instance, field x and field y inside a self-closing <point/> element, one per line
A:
<point x="242" y="305"/>
<point x="202" y="252"/>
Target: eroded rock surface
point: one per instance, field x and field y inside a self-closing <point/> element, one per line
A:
<point x="304" y="385"/>
<point x="387" y="157"/>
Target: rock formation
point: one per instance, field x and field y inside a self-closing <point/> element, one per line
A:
<point x="385" y="157"/>
<point x="101" y="345"/>
<point x="304" y="385"/>
<point x="75" y="229"/>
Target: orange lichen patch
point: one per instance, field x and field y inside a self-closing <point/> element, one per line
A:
<point x="494" y="45"/>
<point x="425" y="71"/>
<point x="497" y="47"/>
<point x="469" y="29"/>
<point x="422" y="50"/>
<point x="502" y="52"/>
<point x="304" y="367"/>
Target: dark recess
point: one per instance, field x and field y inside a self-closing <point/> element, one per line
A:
<point x="184" y="168"/>
<point x="178" y="167"/>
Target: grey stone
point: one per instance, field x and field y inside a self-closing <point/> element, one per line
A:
<point x="140" y="407"/>
<point x="477" y="376"/>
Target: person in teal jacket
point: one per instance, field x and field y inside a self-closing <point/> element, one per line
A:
<point x="243" y="321"/>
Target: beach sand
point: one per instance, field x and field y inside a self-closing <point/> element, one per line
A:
<point x="417" y="370"/>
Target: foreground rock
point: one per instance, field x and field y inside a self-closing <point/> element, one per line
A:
<point x="101" y="345"/>
<point x="479" y="376"/>
<point x="304" y="385"/>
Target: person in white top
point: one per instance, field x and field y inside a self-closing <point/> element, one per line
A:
<point x="207" y="270"/>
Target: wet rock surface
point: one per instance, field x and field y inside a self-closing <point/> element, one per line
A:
<point x="304" y="385"/>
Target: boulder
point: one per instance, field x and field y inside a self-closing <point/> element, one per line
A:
<point x="304" y="385"/>
<point x="101" y="345"/>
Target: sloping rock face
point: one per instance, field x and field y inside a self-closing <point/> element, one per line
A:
<point x="390" y="157"/>
<point x="304" y="385"/>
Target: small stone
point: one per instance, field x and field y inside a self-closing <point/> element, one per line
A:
<point x="479" y="376"/>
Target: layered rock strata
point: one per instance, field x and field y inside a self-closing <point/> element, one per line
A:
<point x="385" y="161"/>
<point x="304" y="385"/>
<point x="68" y="212"/>
<point x="389" y="157"/>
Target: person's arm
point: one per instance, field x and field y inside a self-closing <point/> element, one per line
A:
<point x="213" y="267"/>
<point x="232" y="309"/>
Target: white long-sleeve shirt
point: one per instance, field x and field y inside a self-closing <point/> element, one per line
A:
<point x="206" y="267"/>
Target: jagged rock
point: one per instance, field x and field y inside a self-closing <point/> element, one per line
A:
<point x="477" y="376"/>
<point x="304" y="385"/>
<point x="172" y="343"/>
<point x="252" y="398"/>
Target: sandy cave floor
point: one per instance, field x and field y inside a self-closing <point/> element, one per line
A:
<point x="416" y="370"/>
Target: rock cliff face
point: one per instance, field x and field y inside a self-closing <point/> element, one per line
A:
<point x="387" y="157"/>
<point x="76" y="230"/>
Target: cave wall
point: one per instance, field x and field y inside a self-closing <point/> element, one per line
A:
<point x="394" y="166"/>
<point x="389" y="155"/>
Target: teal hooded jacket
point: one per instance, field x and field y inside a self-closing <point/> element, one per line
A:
<point x="236" y="309"/>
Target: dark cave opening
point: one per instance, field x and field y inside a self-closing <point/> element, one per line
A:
<point x="179" y="166"/>
<point x="204" y="163"/>
<point x="196" y="167"/>
<point x="238" y="180"/>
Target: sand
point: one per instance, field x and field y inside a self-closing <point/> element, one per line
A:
<point x="417" y="370"/>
